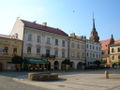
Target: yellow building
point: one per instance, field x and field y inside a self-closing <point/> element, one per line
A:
<point x="9" y="46"/>
<point x="115" y="53"/>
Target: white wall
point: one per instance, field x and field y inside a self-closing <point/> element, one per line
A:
<point x="44" y="35"/>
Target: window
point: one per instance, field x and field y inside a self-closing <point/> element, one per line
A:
<point x="63" y="43"/>
<point x="48" y="40"/>
<point x="97" y="56"/>
<point x="78" y="54"/>
<point x="30" y="37"/>
<point x="56" y="52"/>
<point x="87" y="45"/>
<point x="72" y="45"/>
<point x="63" y="53"/>
<point x="38" y="39"/>
<point x="29" y="50"/>
<point x="87" y="54"/>
<point x="119" y="57"/>
<point x="5" y="50"/>
<point x="112" y="50"/>
<point x="38" y="50"/>
<point x="93" y="47"/>
<point x="96" y="48"/>
<point x="47" y="52"/>
<point x="112" y="57"/>
<point x="90" y="54"/>
<point x="56" y="42"/>
<point x="14" y="50"/>
<point x="90" y="46"/>
<point x="118" y="49"/>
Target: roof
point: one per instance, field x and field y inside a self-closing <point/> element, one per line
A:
<point x="105" y="44"/>
<point x="8" y="37"/>
<point x="117" y="42"/>
<point x="44" y="28"/>
<point x="114" y="45"/>
<point x="4" y="36"/>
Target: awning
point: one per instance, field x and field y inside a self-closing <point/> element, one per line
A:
<point x="113" y="63"/>
<point x="35" y="61"/>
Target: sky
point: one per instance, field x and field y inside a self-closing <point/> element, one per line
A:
<point x="72" y="16"/>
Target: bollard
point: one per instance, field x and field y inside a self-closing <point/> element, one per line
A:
<point x="106" y="74"/>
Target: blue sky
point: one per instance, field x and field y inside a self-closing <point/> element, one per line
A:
<point x="68" y="15"/>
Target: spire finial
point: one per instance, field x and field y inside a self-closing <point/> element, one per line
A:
<point x="93" y="22"/>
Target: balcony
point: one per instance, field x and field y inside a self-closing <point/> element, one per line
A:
<point x="48" y="56"/>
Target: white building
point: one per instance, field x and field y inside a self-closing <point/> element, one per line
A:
<point x="42" y="41"/>
<point x="77" y="51"/>
<point x="93" y="52"/>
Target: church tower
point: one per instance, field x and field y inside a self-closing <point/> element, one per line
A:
<point x="94" y="35"/>
<point x="112" y="39"/>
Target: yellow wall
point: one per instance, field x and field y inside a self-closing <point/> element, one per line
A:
<point x="10" y="43"/>
<point x="115" y="53"/>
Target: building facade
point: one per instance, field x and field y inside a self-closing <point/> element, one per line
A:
<point x="93" y="47"/>
<point x="42" y="41"/>
<point x="115" y="54"/>
<point x="9" y="46"/>
<point x="105" y="46"/>
<point x="77" y="51"/>
<point x="93" y="52"/>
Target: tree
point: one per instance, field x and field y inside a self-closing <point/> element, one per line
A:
<point x="97" y="62"/>
<point x="66" y="63"/>
<point x="17" y="60"/>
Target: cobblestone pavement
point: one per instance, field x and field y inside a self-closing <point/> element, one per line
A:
<point x="7" y="83"/>
<point x="87" y="80"/>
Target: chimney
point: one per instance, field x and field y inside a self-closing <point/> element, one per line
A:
<point x="34" y="22"/>
<point x="45" y="23"/>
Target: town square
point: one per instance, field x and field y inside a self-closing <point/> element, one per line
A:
<point x="59" y="45"/>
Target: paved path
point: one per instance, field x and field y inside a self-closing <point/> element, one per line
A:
<point x="7" y="83"/>
<point x="85" y="80"/>
<point x="88" y="80"/>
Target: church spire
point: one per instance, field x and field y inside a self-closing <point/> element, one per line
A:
<point x="94" y="29"/>
<point x="112" y="39"/>
<point x="94" y="35"/>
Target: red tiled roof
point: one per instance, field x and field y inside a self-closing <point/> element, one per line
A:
<point x="117" y="42"/>
<point x="105" y="44"/>
<point x="44" y="28"/>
